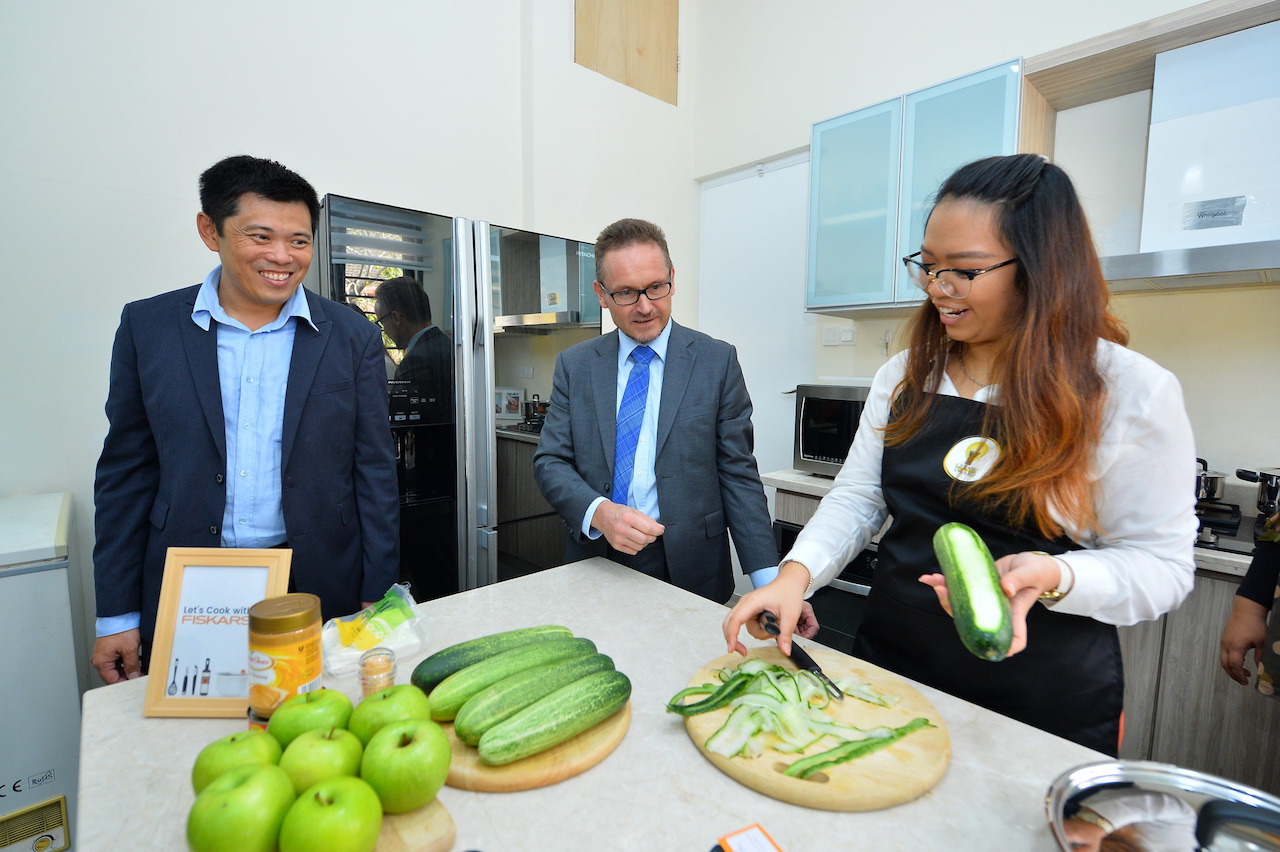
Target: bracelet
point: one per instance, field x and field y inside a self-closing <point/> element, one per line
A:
<point x="809" y="586"/>
<point x="1056" y="594"/>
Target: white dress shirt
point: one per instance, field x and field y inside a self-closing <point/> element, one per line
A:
<point x="1137" y="564"/>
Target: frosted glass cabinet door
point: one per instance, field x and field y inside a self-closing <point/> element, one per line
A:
<point x="853" y="207"/>
<point x="944" y="127"/>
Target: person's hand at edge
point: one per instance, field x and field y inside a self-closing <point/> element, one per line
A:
<point x="784" y="597"/>
<point x="116" y="656"/>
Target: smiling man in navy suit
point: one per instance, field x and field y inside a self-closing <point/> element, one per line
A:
<point x="688" y="475"/>
<point x="244" y="411"/>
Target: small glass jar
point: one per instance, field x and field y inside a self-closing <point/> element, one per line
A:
<point x="284" y="650"/>
<point x="377" y="670"/>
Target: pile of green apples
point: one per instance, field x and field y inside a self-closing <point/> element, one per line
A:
<point x="320" y="776"/>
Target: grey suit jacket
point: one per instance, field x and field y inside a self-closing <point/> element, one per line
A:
<point x="706" y="474"/>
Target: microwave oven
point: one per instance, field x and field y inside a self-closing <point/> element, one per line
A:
<point x="826" y="419"/>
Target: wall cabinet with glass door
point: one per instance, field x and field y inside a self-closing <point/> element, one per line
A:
<point x="874" y="174"/>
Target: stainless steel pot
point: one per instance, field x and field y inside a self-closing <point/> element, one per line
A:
<point x="1268" y="479"/>
<point x="1209" y="483"/>
<point x="1156" y="807"/>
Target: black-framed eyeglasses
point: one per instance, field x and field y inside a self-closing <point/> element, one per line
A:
<point x="653" y="292"/>
<point x="955" y="283"/>
<point x="381" y="320"/>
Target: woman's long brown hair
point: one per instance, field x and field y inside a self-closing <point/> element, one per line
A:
<point x="1048" y="419"/>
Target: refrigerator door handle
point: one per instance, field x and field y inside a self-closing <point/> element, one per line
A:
<point x="480" y="468"/>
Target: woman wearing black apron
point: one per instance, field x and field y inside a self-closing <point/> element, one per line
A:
<point x="1016" y="410"/>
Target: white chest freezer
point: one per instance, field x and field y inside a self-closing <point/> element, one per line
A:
<point x="39" y="700"/>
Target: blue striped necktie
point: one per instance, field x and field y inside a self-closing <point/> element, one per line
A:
<point x="630" y="418"/>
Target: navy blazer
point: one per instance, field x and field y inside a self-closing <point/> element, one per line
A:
<point x="707" y="478"/>
<point x="161" y="478"/>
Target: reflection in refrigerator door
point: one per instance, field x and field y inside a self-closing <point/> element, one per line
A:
<point x="415" y="274"/>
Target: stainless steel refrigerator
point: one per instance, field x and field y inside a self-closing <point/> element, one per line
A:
<point x="464" y="272"/>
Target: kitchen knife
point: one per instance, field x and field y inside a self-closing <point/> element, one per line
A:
<point x="799" y="656"/>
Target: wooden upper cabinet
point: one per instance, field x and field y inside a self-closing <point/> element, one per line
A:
<point x="632" y="41"/>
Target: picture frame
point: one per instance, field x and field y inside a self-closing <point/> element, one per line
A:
<point x="203" y="617"/>
<point x="508" y="405"/>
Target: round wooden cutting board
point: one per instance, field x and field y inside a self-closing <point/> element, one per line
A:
<point x="428" y="829"/>
<point x="468" y="772"/>
<point x="891" y="776"/>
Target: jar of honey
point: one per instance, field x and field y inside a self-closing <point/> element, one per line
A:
<point x="284" y="650"/>
<point x="377" y="670"/>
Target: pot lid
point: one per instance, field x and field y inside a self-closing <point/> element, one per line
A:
<point x="1156" y="807"/>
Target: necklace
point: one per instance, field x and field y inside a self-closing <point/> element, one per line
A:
<point x="963" y="369"/>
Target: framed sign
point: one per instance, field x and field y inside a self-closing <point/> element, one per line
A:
<point x="200" y="654"/>
<point x="508" y="405"/>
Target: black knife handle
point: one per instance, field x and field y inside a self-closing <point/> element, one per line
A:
<point x="769" y="622"/>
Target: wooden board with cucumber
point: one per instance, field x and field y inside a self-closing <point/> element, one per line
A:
<point x="909" y="760"/>
<point x="528" y="707"/>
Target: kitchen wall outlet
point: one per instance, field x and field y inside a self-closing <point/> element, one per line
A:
<point x="525" y="372"/>
<point x="848" y="335"/>
<point x="830" y="335"/>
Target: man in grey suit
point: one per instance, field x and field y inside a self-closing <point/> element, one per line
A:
<point x="692" y="476"/>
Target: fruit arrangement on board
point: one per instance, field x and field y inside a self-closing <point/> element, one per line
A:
<point x="320" y="776"/>
<point x="515" y="694"/>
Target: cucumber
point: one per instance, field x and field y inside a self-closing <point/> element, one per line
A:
<point x="510" y="695"/>
<point x="435" y="668"/>
<point x="455" y="690"/>
<point x="979" y="606"/>
<point x="558" y="717"/>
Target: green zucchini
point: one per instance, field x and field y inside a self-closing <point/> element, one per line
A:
<point x="558" y="717"/>
<point x="435" y="668"/>
<point x="512" y="694"/>
<point x="455" y="690"/>
<point x="979" y="605"/>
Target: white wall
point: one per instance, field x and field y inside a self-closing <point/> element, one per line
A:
<point x="764" y="78"/>
<point x="768" y="71"/>
<point x="111" y="111"/>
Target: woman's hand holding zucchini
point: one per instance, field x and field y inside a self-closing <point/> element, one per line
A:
<point x="1023" y="578"/>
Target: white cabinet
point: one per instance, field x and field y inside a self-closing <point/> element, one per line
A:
<point x="873" y="176"/>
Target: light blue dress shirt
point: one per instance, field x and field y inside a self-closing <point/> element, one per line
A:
<point x="644" y="482"/>
<point x="253" y="372"/>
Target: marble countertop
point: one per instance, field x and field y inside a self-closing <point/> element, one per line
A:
<point x="812" y="485"/>
<point x="655" y="791"/>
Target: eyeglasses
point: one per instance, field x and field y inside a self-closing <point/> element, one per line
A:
<point x="654" y="292"/>
<point x="955" y="283"/>
<point x="381" y="320"/>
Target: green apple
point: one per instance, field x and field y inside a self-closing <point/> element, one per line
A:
<point x="316" y="755"/>
<point x="240" y="811"/>
<point x="392" y="704"/>
<point x="341" y="814"/>
<point x="242" y="748"/>
<point x="406" y="763"/>
<point x="309" y="711"/>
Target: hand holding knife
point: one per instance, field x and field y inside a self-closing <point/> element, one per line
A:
<point x="769" y="622"/>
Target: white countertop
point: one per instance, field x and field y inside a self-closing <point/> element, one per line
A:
<point x="516" y="435"/>
<point x="655" y="792"/>
<point x="812" y="485"/>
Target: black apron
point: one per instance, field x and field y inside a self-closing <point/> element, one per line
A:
<point x="1067" y="681"/>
